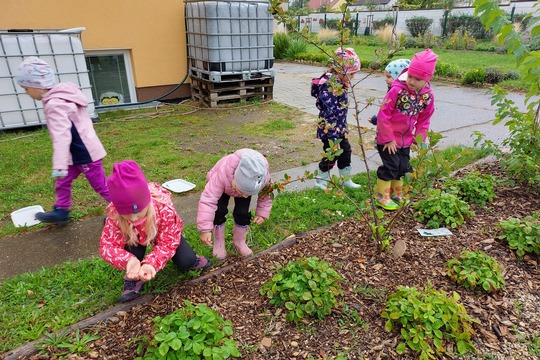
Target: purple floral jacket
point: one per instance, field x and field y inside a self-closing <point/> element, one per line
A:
<point x="332" y="112"/>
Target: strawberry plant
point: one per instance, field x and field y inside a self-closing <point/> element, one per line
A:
<point x="430" y="322"/>
<point x="473" y="187"/>
<point x="522" y="235"/>
<point x="442" y="208"/>
<point x="306" y="287"/>
<point x="193" y="332"/>
<point x="475" y="269"/>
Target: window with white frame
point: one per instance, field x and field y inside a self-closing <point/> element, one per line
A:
<point x="111" y="77"/>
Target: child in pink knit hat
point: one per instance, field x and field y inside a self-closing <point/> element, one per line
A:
<point x="404" y="114"/>
<point x="142" y="214"/>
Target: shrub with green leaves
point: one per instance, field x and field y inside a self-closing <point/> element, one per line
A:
<point x="442" y="208"/>
<point x="429" y="322"/>
<point x="474" y="77"/>
<point x="193" y="332"/>
<point x="474" y="270"/>
<point x="281" y="44"/>
<point x="418" y="25"/>
<point x="522" y="235"/>
<point x="473" y="187"/>
<point x="306" y="287"/>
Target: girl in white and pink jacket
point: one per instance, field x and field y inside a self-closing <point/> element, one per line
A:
<point x="240" y="175"/>
<point x="76" y="146"/>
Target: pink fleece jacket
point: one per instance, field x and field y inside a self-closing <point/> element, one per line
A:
<point x="169" y="232"/>
<point x="404" y="114"/>
<point x="219" y="181"/>
<point x="68" y="123"/>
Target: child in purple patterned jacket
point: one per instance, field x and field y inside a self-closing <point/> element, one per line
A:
<point x="332" y="125"/>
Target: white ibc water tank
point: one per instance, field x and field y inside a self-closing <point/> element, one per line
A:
<point x="61" y="49"/>
<point x="229" y="40"/>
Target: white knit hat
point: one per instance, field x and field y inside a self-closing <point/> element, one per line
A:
<point x="35" y="73"/>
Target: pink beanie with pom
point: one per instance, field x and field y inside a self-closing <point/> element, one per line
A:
<point x="128" y="188"/>
<point x="423" y="64"/>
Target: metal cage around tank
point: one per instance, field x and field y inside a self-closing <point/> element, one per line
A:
<point x="229" y="40"/>
<point x="62" y="49"/>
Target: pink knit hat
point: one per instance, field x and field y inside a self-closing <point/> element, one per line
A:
<point x="423" y="65"/>
<point x="128" y="188"/>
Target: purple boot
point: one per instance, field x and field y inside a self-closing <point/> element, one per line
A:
<point x="132" y="290"/>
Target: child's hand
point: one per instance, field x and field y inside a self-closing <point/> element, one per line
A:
<point x="391" y="147"/>
<point x="147" y="272"/>
<point x="258" y="220"/>
<point x="206" y="238"/>
<point x="132" y="268"/>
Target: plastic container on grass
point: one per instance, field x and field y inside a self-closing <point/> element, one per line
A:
<point x="26" y="216"/>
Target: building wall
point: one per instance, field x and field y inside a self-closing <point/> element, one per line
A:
<point x="153" y="32"/>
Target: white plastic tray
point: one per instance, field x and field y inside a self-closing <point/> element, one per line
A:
<point x="26" y="216"/>
<point x="178" y="185"/>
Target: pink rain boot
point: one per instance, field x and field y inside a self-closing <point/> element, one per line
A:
<point x="239" y="240"/>
<point x="219" y="242"/>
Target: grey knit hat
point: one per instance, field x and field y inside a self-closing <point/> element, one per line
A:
<point x="250" y="175"/>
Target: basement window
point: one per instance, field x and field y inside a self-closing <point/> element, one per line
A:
<point x="111" y="77"/>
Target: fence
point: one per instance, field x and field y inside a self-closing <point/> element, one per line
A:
<point x="364" y="19"/>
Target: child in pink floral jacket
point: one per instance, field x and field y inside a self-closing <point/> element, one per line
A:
<point x="142" y="214"/>
<point x="404" y="114"/>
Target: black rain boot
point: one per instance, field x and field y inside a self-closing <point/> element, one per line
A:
<point x="57" y="216"/>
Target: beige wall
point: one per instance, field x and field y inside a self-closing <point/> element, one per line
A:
<point x="153" y="31"/>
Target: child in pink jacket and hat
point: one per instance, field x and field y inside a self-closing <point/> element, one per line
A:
<point x="404" y="114"/>
<point x="76" y="146"/>
<point x="239" y="175"/>
<point x="142" y="214"/>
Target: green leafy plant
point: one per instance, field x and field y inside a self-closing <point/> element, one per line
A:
<point x="473" y="187"/>
<point x="296" y="46"/>
<point x="522" y="235"/>
<point x="442" y="208"/>
<point x="533" y="345"/>
<point x="61" y="344"/>
<point x="474" y="77"/>
<point x="524" y="138"/>
<point x="475" y="269"/>
<point x="281" y="44"/>
<point x="306" y="287"/>
<point x="193" y="332"/>
<point x="429" y="321"/>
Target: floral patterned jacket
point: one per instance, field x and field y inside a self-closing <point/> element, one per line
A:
<point x="404" y="114"/>
<point x="332" y="112"/>
<point x="169" y="232"/>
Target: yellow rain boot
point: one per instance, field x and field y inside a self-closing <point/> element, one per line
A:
<point x="383" y="198"/>
<point x="397" y="191"/>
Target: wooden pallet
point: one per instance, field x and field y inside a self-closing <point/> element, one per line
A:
<point x="213" y="94"/>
